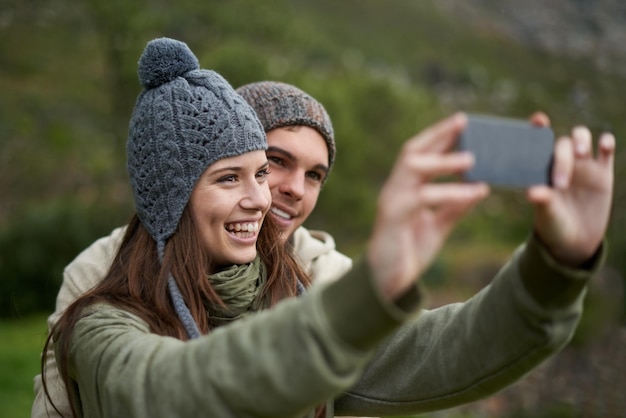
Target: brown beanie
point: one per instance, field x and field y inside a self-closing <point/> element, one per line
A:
<point x="279" y="104"/>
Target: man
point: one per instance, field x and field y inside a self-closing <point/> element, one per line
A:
<point x="301" y="153"/>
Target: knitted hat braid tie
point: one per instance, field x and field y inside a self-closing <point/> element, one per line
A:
<point x="184" y="120"/>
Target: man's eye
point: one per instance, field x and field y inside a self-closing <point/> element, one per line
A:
<point x="276" y="160"/>
<point x="314" y="176"/>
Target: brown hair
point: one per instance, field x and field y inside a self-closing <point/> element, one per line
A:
<point x="137" y="282"/>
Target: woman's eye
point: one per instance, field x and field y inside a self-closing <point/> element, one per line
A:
<point x="263" y="173"/>
<point x="228" y="179"/>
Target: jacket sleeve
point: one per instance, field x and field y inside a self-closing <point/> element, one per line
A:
<point x="87" y="269"/>
<point x="276" y="363"/>
<point x="466" y="351"/>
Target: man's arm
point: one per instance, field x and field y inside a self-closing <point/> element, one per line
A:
<point x="83" y="273"/>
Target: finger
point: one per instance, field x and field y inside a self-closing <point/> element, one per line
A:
<point x="439" y="137"/>
<point x="447" y="216"/>
<point x="539" y="195"/>
<point x="606" y="149"/>
<point x="539" y="119"/>
<point x="563" y="163"/>
<point x="582" y="142"/>
<point x="434" y="165"/>
<point x="451" y="195"/>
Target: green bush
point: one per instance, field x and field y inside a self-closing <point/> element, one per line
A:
<point x="35" y="247"/>
<point x="22" y="342"/>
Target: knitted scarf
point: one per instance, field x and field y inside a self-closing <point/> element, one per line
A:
<point x="239" y="287"/>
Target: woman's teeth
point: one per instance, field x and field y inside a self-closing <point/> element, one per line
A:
<point x="243" y="230"/>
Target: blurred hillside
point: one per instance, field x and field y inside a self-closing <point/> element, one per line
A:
<point x="593" y="30"/>
<point x="383" y="69"/>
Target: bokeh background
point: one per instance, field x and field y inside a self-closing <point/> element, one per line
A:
<point x="383" y="69"/>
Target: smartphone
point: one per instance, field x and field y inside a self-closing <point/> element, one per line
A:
<point x="508" y="153"/>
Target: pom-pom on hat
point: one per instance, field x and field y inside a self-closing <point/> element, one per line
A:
<point x="279" y="104"/>
<point x="184" y="120"/>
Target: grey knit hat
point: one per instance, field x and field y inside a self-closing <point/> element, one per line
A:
<point x="184" y="120"/>
<point x="279" y="104"/>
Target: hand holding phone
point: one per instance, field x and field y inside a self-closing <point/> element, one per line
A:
<point x="508" y="152"/>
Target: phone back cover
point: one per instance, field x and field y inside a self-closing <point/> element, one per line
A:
<point x="508" y="152"/>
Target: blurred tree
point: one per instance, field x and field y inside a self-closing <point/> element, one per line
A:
<point x="384" y="70"/>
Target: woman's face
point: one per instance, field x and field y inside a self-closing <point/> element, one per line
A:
<point x="228" y="205"/>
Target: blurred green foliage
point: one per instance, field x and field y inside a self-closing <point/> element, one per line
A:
<point x="19" y="363"/>
<point x="41" y="241"/>
<point x="383" y="69"/>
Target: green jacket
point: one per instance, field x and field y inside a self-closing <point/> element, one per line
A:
<point x="340" y="342"/>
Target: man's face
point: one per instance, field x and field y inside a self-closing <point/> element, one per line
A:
<point x="298" y="159"/>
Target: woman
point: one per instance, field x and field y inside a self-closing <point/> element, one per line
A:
<point x="197" y="164"/>
<point x="198" y="174"/>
